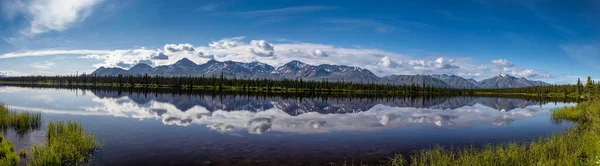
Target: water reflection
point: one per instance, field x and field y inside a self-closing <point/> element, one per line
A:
<point x="259" y="114"/>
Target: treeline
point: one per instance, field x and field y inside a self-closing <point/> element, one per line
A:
<point x="101" y="91"/>
<point x="286" y="85"/>
<point x="222" y="83"/>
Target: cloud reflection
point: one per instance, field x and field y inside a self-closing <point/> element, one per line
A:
<point x="237" y="115"/>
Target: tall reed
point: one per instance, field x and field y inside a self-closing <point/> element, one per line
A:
<point x="22" y="122"/>
<point x="68" y="143"/>
<point x="8" y="157"/>
<point x="579" y="145"/>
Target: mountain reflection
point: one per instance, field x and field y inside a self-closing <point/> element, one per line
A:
<point x="294" y="106"/>
<point x="260" y="114"/>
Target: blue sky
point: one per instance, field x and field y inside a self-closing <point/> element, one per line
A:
<point x="554" y="41"/>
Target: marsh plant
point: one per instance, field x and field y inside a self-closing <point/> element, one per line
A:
<point x="579" y="145"/>
<point x="22" y="122"/>
<point x="68" y="143"/>
<point x="8" y="157"/>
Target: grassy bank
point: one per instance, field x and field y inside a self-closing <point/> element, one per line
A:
<point x="68" y="143"/>
<point x="8" y="157"/>
<point x="579" y="145"/>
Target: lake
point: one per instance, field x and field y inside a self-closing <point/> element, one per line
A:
<point x="217" y="129"/>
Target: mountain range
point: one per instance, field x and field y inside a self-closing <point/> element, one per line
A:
<point x="296" y="69"/>
<point x="8" y="74"/>
<point x="296" y="107"/>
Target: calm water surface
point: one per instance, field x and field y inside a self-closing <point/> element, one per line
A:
<point x="173" y="129"/>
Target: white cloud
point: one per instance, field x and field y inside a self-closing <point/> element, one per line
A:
<point x="261" y="48"/>
<point x="276" y="54"/>
<point x="502" y="63"/>
<point x="528" y="73"/>
<point x="52" y="52"/>
<point x="46" y="65"/>
<point x="179" y="47"/>
<point x="160" y="56"/>
<point x="504" y="66"/>
<point x="262" y="45"/>
<point x="437" y="64"/>
<point x="319" y="53"/>
<point x="275" y="119"/>
<point x="420" y="66"/>
<point x="49" y="15"/>
<point x="226" y="43"/>
<point x="387" y="62"/>
<point x="10" y="73"/>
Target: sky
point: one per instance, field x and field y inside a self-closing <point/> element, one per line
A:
<point x="553" y="41"/>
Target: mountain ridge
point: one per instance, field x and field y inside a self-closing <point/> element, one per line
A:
<point x="299" y="70"/>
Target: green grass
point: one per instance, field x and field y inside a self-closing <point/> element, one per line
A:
<point x="22" y="122"/>
<point x="571" y="113"/>
<point x="8" y="157"/>
<point x="68" y="143"/>
<point x="579" y="145"/>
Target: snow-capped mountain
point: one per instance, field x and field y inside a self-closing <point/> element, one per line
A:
<point x="299" y="70"/>
<point x="507" y="81"/>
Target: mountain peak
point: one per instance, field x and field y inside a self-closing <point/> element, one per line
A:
<point x="296" y="64"/>
<point x="141" y="65"/>
<point x="296" y="69"/>
<point x="185" y="62"/>
<point x="141" y="68"/>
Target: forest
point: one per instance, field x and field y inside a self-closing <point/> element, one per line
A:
<point x="290" y="86"/>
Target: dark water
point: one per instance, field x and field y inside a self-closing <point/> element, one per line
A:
<point x="173" y="129"/>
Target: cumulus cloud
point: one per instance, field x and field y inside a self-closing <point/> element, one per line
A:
<point x="504" y="66"/>
<point x="437" y="64"/>
<point x="276" y="54"/>
<point x="263" y="45"/>
<point x="179" y="47"/>
<point x="49" y="15"/>
<point x="382" y="115"/>
<point x="206" y="55"/>
<point x="529" y="73"/>
<point x="388" y="62"/>
<point x="10" y="73"/>
<point x="502" y="63"/>
<point x="160" y="56"/>
<point x="262" y="48"/>
<point x="226" y="43"/>
<point x="319" y="53"/>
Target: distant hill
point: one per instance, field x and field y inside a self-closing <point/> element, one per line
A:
<point x="418" y="80"/>
<point x="456" y="81"/>
<point x="299" y="70"/>
<point x="507" y="81"/>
